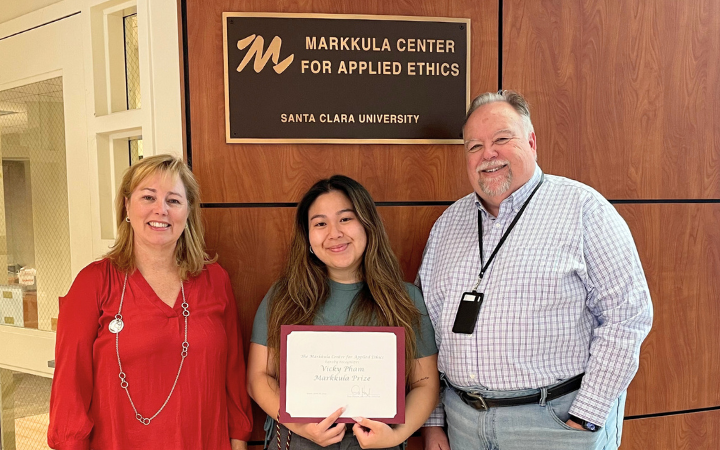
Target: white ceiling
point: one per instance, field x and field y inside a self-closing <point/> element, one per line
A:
<point x="14" y="102"/>
<point x="11" y="9"/>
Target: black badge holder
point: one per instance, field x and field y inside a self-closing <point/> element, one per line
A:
<point x="468" y="312"/>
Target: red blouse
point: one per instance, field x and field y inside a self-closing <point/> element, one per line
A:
<point x="209" y="406"/>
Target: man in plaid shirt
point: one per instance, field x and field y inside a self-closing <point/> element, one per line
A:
<point x="538" y="299"/>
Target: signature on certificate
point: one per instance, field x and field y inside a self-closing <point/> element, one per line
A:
<point x="361" y="391"/>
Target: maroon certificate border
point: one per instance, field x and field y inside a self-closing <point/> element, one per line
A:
<point x="399" y="333"/>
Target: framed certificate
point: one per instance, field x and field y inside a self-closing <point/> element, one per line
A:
<point x="324" y="368"/>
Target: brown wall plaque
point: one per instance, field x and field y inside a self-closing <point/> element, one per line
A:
<point x="320" y="78"/>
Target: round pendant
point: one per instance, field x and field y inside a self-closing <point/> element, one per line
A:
<point x="116" y="326"/>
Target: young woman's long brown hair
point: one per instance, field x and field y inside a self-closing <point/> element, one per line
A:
<point x="303" y="287"/>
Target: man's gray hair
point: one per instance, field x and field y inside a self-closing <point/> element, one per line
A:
<point x="514" y="99"/>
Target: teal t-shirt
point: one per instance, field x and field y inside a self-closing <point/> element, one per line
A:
<point x="337" y="308"/>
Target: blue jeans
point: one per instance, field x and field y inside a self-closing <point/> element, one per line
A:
<point x="526" y="427"/>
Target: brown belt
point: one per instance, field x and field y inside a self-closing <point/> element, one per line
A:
<point x="556" y="391"/>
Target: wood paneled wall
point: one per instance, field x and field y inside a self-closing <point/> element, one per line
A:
<point x="680" y="363"/>
<point x="625" y="97"/>
<point x="693" y="431"/>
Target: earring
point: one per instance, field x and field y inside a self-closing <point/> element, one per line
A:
<point x="311" y="251"/>
<point x="127" y="219"/>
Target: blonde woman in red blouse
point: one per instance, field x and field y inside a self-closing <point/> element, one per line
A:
<point x="148" y="352"/>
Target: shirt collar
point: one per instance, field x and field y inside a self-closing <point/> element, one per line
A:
<point x="517" y="198"/>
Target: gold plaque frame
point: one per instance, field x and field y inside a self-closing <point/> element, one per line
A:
<point x="231" y="140"/>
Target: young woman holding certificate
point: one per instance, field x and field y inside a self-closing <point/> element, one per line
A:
<point x="342" y="271"/>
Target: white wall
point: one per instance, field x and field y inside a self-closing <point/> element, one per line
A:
<point x="25" y="56"/>
<point x="65" y="48"/>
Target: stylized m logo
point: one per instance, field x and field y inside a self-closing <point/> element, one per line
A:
<point x="256" y="50"/>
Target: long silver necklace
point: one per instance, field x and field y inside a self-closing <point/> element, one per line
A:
<point x="117" y="324"/>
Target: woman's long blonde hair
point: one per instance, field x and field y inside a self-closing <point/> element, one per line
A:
<point x="190" y="249"/>
<point x="303" y="287"/>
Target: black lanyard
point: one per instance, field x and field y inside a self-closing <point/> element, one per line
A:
<point x="504" y="236"/>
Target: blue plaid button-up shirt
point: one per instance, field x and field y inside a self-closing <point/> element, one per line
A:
<point x="565" y="294"/>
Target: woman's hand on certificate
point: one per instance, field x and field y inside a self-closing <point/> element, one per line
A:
<point x="373" y="434"/>
<point x="323" y="433"/>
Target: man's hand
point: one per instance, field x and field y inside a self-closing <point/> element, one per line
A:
<point x="571" y="423"/>
<point x="323" y="433"/>
<point x="434" y="438"/>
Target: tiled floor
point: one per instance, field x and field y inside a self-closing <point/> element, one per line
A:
<point x="31" y="405"/>
<point x="31" y="432"/>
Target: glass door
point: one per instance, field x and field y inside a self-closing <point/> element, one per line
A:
<point x="42" y="115"/>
